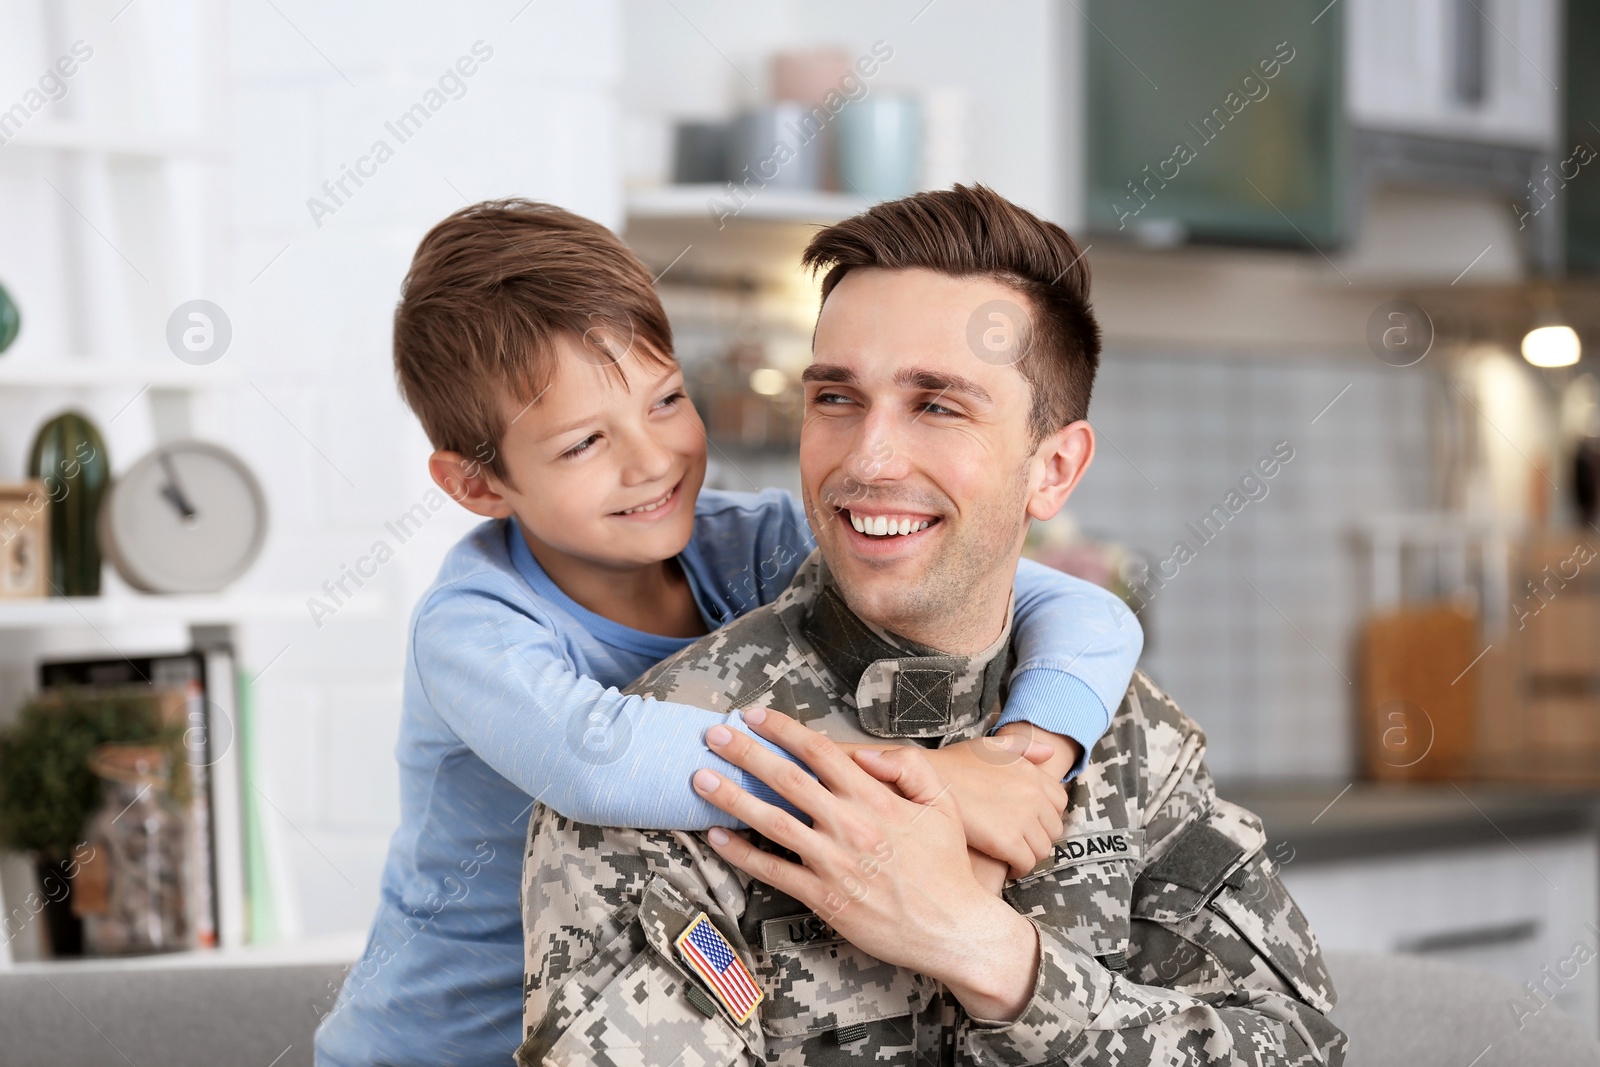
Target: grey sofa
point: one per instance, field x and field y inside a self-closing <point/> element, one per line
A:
<point x="1397" y="1010"/>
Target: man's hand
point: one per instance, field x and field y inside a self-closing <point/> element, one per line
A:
<point x="886" y="867"/>
<point x="990" y="872"/>
<point x="1009" y="789"/>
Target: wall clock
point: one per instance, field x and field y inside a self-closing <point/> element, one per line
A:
<point x="187" y="518"/>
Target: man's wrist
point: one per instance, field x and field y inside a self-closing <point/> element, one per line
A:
<point x="993" y="969"/>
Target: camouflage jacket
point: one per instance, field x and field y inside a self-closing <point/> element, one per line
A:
<point x="1165" y="935"/>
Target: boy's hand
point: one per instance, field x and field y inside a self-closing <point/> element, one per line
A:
<point x="1008" y="788"/>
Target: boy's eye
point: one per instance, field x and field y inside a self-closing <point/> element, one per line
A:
<point x="670" y="399"/>
<point x="581" y="447"/>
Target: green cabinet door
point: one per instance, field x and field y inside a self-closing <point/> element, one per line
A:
<point x="1218" y="120"/>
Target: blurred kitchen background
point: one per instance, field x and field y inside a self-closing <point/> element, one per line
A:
<point x="1344" y="257"/>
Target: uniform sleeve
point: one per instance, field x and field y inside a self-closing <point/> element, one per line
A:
<point x="1222" y="967"/>
<point x="503" y="684"/>
<point x="604" y="983"/>
<point x="1077" y="645"/>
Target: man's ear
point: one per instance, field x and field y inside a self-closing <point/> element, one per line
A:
<point x="469" y="483"/>
<point x="1063" y="457"/>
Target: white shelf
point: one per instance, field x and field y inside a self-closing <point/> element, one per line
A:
<point x="699" y="231"/>
<point x="96" y="373"/>
<point x="341" y="948"/>
<point x="77" y="137"/>
<point x="760" y="205"/>
<point x="132" y="609"/>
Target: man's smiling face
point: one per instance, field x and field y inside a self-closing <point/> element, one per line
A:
<point x="916" y="461"/>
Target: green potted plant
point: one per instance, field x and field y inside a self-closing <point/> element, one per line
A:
<point x="47" y="790"/>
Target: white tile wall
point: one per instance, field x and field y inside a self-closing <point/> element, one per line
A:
<point x="342" y="455"/>
<point x="704" y="58"/>
<point x="296" y="90"/>
<point x="1265" y="670"/>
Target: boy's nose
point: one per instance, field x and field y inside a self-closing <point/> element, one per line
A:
<point x="648" y="461"/>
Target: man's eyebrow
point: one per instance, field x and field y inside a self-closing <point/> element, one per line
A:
<point x="940" y="382"/>
<point x="912" y="378"/>
<point x="828" y="372"/>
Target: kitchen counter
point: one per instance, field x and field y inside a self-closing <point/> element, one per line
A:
<point x="1339" y="820"/>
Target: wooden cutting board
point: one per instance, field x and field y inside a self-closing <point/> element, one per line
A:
<point x="1418" y="700"/>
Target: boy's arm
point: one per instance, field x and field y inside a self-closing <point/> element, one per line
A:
<point x="1077" y="646"/>
<point x="503" y="684"/>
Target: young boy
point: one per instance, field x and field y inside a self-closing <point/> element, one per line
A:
<point x="533" y="348"/>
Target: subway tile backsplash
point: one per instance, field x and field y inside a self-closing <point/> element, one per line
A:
<point x="1253" y="635"/>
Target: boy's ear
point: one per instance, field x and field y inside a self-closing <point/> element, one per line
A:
<point x="469" y="483"/>
<point x="1064" y="456"/>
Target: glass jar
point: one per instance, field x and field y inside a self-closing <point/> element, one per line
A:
<point x="138" y="872"/>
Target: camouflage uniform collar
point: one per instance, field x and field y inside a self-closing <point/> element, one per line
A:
<point x="901" y="688"/>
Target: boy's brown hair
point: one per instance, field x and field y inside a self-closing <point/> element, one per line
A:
<point x="972" y="230"/>
<point x="489" y="290"/>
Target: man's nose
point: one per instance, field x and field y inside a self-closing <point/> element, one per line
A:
<point x="878" y="454"/>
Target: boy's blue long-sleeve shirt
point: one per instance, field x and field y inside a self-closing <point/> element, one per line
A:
<point x="511" y="696"/>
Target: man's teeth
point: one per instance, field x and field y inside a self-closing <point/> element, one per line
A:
<point x="884" y="526"/>
<point x="647" y="507"/>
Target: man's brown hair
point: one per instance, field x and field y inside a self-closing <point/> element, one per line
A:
<point x="972" y="230"/>
<point x="489" y="291"/>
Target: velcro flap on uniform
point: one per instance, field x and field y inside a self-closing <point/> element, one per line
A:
<point x="1199" y="860"/>
<point x="1197" y="863"/>
<point x="914" y="697"/>
<point x="664" y="912"/>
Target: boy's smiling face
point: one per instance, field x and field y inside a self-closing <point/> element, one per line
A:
<point x="605" y="465"/>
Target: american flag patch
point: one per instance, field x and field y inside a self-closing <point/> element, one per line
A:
<point x="710" y="956"/>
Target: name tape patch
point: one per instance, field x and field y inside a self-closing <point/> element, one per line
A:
<point x="797" y="931"/>
<point x="1073" y="849"/>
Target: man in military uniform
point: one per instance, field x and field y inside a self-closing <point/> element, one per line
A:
<point x="1156" y="931"/>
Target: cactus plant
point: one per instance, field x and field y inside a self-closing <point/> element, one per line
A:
<point x="70" y="458"/>
<point x="10" y="319"/>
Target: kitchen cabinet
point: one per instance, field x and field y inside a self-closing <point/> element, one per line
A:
<point x="1214" y="123"/>
<point x="1506" y="879"/>
<point x="1580" y="210"/>
<point x="1272" y="123"/>
<point x="1518" y="911"/>
<point x="1471" y="70"/>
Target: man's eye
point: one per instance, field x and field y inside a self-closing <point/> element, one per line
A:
<point x="830" y="399"/>
<point x="937" y="409"/>
<point x="581" y="447"/>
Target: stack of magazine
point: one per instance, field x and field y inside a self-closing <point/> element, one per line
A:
<point x="205" y="684"/>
